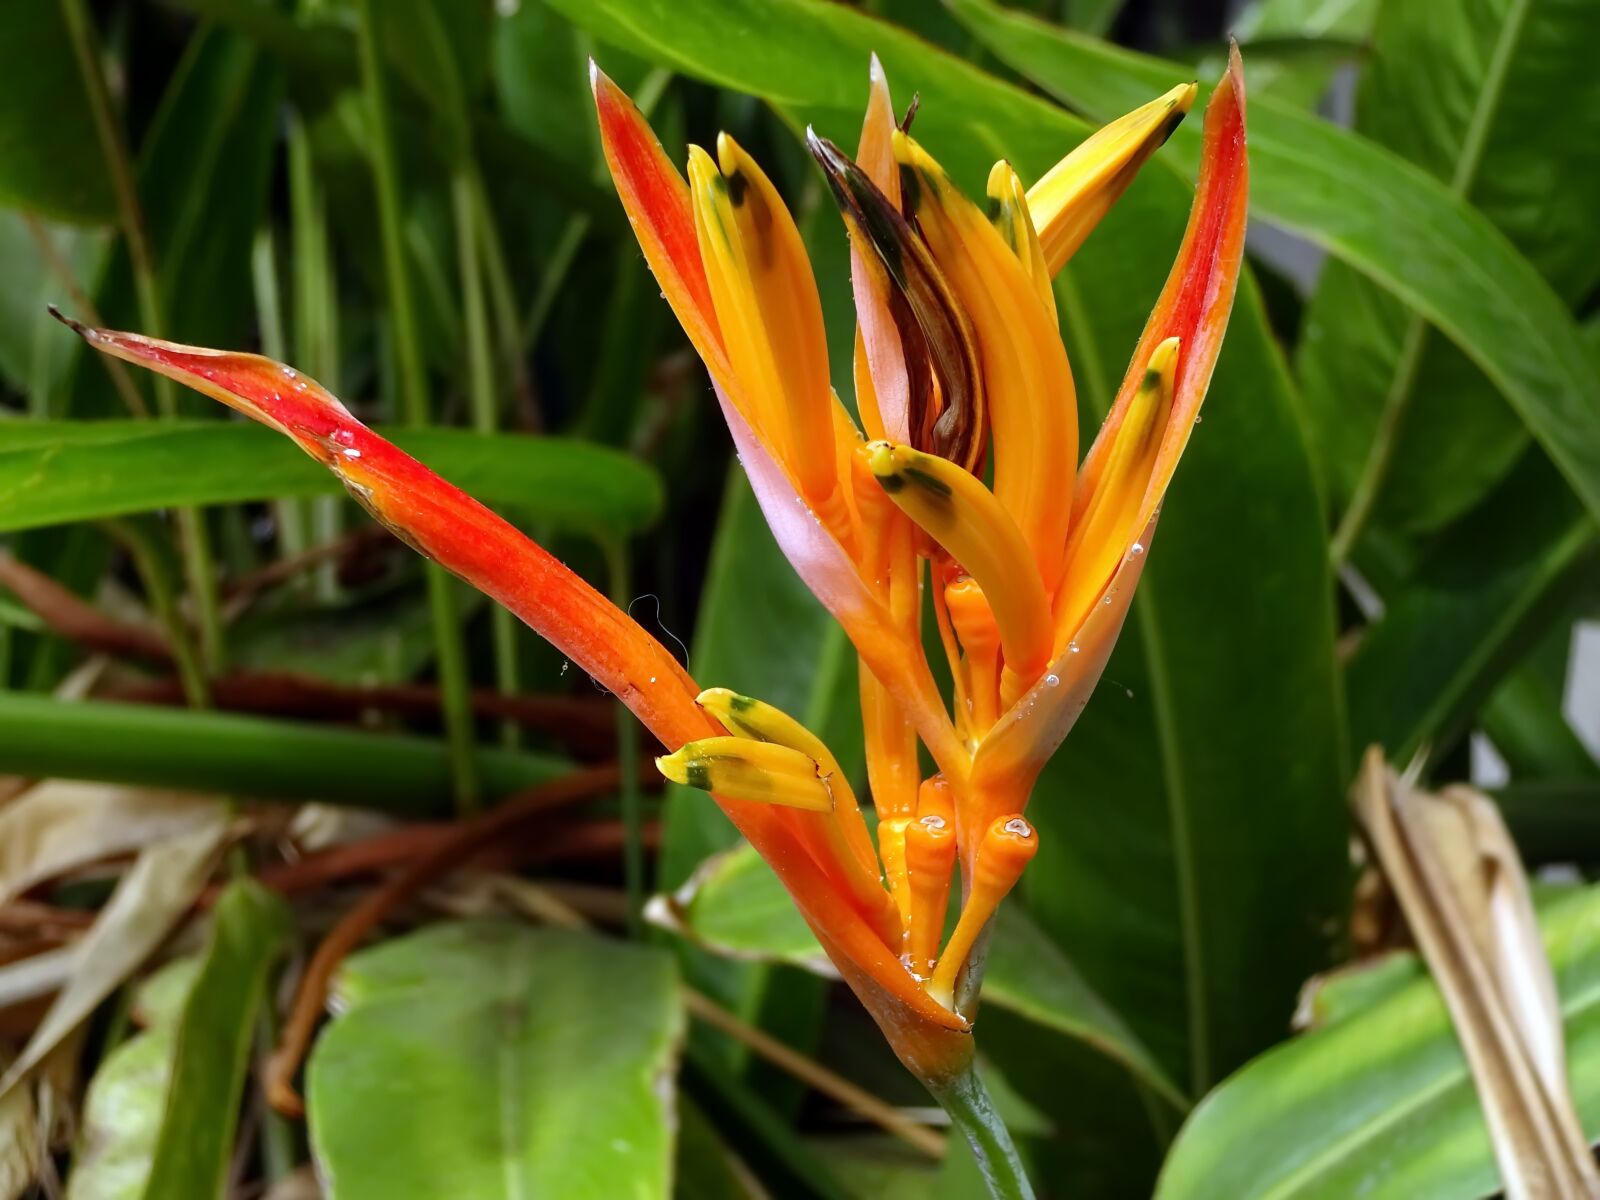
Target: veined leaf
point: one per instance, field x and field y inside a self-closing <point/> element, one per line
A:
<point x="52" y="472"/>
<point x="1384" y="217"/>
<point x="488" y="1061"/>
<point x="1481" y="597"/>
<point x="1498" y="100"/>
<point x="1379" y="1102"/>
<point x="1231" y="903"/>
<point x="1303" y="80"/>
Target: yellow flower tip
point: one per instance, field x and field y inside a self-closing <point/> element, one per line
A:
<point x="742" y="769"/>
<point x="1161" y="371"/>
<point x="895" y="467"/>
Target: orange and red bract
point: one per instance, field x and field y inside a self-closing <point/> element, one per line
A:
<point x="894" y="511"/>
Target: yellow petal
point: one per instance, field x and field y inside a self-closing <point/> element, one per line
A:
<point x="1080" y="189"/>
<point x="964" y="517"/>
<point x="1113" y="514"/>
<point x="740" y="769"/>
<point x="767" y="305"/>
<point x="1009" y="213"/>
<point x="1031" y="401"/>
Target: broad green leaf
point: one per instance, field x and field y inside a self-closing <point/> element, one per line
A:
<point x="1384" y="217"/>
<point x="213" y="1037"/>
<point x="1498" y="100"/>
<point x="1300" y="80"/>
<point x="125" y="1101"/>
<point x="1479" y="600"/>
<point x="736" y="906"/>
<point x="487" y="1061"/>
<point x="50" y="160"/>
<point x="1231" y="901"/>
<point x="246" y="756"/>
<point x="1379" y="1103"/>
<point x="53" y="472"/>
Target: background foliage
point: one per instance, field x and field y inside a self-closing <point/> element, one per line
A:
<point x="1384" y="532"/>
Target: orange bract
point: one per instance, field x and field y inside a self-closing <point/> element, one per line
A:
<point x="957" y="362"/>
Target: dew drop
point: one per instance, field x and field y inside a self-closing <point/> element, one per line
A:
<point x="1052" y="680"/>
<point x="1073" y="647"/>
<point x="1136" y="549"/>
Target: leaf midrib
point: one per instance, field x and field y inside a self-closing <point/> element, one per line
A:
<point x="1196" y="1008"/>
<point x="1402" y="382"/>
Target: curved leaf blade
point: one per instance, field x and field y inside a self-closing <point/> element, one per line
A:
<point x="55" y="472"/>
<point x="1380" y="1102"/>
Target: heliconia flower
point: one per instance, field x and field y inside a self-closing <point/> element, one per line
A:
<point x="960" y="375"/>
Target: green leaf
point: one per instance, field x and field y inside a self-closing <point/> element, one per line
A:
<point x="213" y="1039"/>
<point x="1481" y="597"/>
<point x="125" y="1101"/>
<point x="204" y="168"/>
<point x="1379" y="1103"/>
<point x="1202" y="944"/>
<point x="1497" y="99"/>
<point x="1384" y="217"/>
<point x="736" y="906"/>
<point x="247" y="756"/>
<point x="50" y="158"/>
<point x="53" y="472"/>
<point x="485" y="1060"/>
<point x="1301" y="79"/>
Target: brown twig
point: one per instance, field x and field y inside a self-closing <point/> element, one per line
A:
<point x="465" y="842"/>
<point x="812" y="1073"/>
<point x="244" y="588"/>
<point x="76" y="619"/>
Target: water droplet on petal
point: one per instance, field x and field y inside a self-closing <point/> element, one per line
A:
<point x="1073" y="647"/>
<point x="1136" y="549"/>
<point x="1052" y="680"/>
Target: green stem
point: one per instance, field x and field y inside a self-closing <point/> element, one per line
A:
<point x="503" y="304"/>
<point x="188" y="750"/>
<point x="289" y="512"/>
<point x="967" y="1101"/>
<point x="197" y="558"/>
<point x="628" y="764"/>
<point x="442" y="602"/>
<point x="485" y="404"/>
